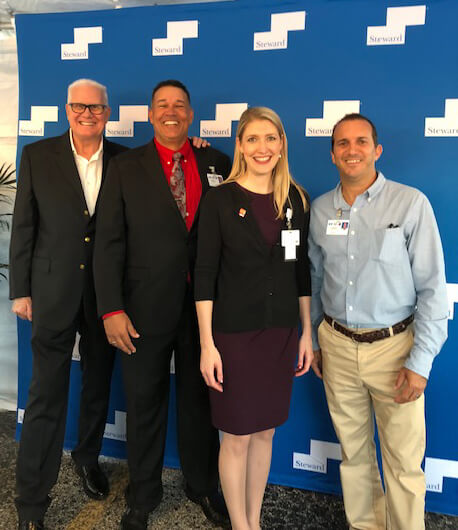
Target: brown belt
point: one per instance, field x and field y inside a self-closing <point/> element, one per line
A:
<point x="370" y="336"/>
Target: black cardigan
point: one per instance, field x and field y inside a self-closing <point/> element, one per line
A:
<point x="250" y="283"/>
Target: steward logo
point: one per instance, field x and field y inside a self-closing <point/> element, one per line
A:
<point x="277" y="37"/>
<point x="79" y="49"/>
<point x="452" y="294"/>
<point x="128" y="115"/>
<point x="397" y="18"/>
<point x="317" y="460"/>
<point x="176" y="32"/>
<point x="76" y="348"/>
<point x="333" y="111"/>
<point x="116" y="430"/>
<point x="446" y="126"/>
<point x="38" y="117"/>
<point x="435" y="471"/>
<point x="221" y="126"/>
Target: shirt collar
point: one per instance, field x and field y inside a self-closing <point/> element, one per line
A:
<point x="95" y="156"/>
<point x="370" y="193"/>
<point x="166" y="154"/>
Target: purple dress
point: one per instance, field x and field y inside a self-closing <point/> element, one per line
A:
<point x="258" y="366"/>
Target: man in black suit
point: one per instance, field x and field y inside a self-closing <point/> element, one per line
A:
<point x="143" y="262"/>
<point x="51" y="271"/>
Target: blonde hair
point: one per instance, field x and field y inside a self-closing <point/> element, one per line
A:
<point x="281" y="177"/>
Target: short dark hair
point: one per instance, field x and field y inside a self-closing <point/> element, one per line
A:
<point x="171" y="82"/>
<point x="353" y="117"/>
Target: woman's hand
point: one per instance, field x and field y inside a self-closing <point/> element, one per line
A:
<point x="211" y="367"/>
<point x="305" y="356"/>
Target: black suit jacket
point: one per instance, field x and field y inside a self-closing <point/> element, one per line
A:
<point x="143" y="252"/>
<point x="52" y="235"/>
<point x="251" y="284"/>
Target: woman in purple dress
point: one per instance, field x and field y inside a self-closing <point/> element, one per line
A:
<point x="252" y="287"/>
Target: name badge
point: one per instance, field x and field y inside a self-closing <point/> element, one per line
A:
<point x="214" y="179"/>
<point x="290" y="240"/>
<point x="337" y="227"/>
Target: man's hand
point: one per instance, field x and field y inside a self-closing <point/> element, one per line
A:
<point x="410" y="385"/>
<point x="22" y="307"/>
<point x="211" y="367"/>
<point x="305" y="357"/>
<point x="119" y="330"/>
<point x="199" y="142"/>
<point x="317" y="363"/>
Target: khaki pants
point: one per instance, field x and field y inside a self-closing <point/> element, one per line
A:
<point x="359" y="380"/>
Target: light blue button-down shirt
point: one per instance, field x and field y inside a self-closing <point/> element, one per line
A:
<point x="388" y="265"/>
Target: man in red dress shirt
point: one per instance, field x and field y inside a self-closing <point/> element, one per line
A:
<point x="144" y="259"/>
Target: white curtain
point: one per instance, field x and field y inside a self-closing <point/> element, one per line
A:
<point x="8" y="140"/>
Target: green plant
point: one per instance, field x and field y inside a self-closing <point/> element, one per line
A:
<point x="7" y="184"/>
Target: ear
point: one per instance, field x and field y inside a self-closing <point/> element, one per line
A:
<point x="378" y="151"/>
<point x="191" y="114"/>
<point x="67" y="111"/>
<point x="237" y="143"/>
<point x="333" y="158"/>
<point x="150" y="115"/>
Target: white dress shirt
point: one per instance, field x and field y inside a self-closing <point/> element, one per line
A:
<point x="90" y="173"/>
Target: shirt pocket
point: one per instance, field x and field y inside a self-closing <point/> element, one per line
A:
<point x="389" y="246"/>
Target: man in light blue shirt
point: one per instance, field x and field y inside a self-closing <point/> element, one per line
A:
<point x="379" y="312"/>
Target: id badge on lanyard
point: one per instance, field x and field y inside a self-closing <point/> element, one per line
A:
<point x="290" y="239"/>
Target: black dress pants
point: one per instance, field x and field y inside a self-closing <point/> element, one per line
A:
<point x="43" y="428"/>
<point x="146" y="376"/>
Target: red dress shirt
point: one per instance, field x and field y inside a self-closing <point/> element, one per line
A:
<point x="191" y="175"/>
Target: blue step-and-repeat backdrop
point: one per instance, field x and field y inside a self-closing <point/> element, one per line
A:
<point x="312" y="61"/>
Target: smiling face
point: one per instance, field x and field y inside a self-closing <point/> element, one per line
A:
<point x="171" y="116"/>
<point x="261" y="146"/>
<point x="354" y="152"/>
<point x="86" y="126"/>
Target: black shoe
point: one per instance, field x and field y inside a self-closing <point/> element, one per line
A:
<point x="212" y="505"/>
<point x="134" y="519"/>
<point x="95" y="483"/>
<point x="30" y="525"/>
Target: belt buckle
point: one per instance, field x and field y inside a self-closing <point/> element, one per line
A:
<point x="354" y="339"/>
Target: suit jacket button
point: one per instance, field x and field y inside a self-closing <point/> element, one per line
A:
<point x="87" y="239"/>
<point x="82" y="266"/>
<point x="86" y="212"/>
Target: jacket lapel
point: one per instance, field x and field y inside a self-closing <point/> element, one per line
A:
<point x="107" y="154"/>
<point x="67" y="165"/>
<point x="244" y="213"/>
<point x="153" y="168"/>
<point x="203" y="168"/>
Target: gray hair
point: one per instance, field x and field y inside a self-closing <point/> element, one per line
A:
<point x="88" y="82"/>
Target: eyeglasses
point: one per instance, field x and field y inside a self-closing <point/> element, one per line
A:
<point x="79" y="108"/>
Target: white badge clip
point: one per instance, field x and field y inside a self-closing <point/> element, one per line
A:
<point x="289" y="216"/>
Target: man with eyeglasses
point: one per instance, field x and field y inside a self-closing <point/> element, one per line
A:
<point x="51" y="271"/>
